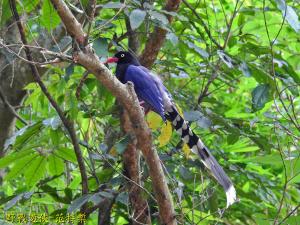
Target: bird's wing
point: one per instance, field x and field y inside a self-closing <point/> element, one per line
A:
<point x="146" y="88"/>
<point x="167" y="97"/>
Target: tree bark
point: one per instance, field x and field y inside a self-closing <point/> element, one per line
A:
<point x="128" y="99"/>
<point x="157" y="37"/>
<point x="131" y="158"/>
<point x="13" y="77"/>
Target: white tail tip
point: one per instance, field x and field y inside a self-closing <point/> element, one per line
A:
<point x="231" y="196"/>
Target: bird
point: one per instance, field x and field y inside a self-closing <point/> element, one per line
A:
<point x="154" y="96"/>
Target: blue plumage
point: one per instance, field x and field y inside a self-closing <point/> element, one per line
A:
<point x="146" y="88"/>
<point x="150" y="90"/>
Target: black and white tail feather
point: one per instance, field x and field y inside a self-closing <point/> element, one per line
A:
<point x="197" y="147"/>
<point x="194" y="142"/>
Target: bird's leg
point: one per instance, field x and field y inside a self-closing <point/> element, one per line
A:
<point x="144" y="107"/>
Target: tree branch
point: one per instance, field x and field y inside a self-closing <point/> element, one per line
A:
<point x="157" y="37"/>
<point x="140" y="208"/>
<point x="203" y="24"/>
<point x="68" y="124"/>
<point x="289" y="214"/>
<point x="11" y="108"/>
<point x="133" y="38"/>
<point x="127" y="97"/>
<point x="204" y="93"/>
<point x="229" y="25"/>
<point x="74" y="28"/>
<point x="131" y="156"/>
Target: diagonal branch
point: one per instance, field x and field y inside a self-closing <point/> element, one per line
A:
<point x="74" y="28"/>
<point x="131" y="156"/>
<point x="11" y="108"/>
<point x="202" y="23"/>
<point x="157" y="37"/>
<point x="127" y="97"/>
<point x="140" y="208"/>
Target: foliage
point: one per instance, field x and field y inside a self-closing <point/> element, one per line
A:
<point x="249" y="117"/>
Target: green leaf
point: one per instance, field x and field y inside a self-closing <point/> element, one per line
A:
<point x="12" y="202"/>
<point x="159" y="16"/>
<point x="5" y="12"/>
<point x="69" y="194"/>
<point x="113" y="5"/>
<point x="123" y="198"/>
<point x="96" y="199"/>
<point x="53" y="193"/>
<point x="49" y="17"/>
<point x="23" y="135"/>
<point x="30" y="5"/>
<point x="66" y="154"/>
<point x="56" y="165"/>
<point x="172" y="38"/>
<point x="12" y="157"/>
<point x="55" y="137"/>
<point x="255" y="49"/>
<point x="136" y="18"/>
<point x="289" y="13"/>
<point x="16" y="199"/>
<point x="35" y="170"/>
<point x="192" y="115"/>
<point x="122" y="144"/>
<point x="153" y="120"/>
<point x="106" y="194"/>
<point x="73" y="106"/>
<point x="260" y="96"/>
<point x="78" y="202"/>
<point x="69" y="71"/>
<point x="244" y="68"/>
<point x="261" y="76"/>
<point x="197" y="49"/>
<point x="232" y="138"/>
<point x="185" y="173"/>
<point x="261" y="142"/>
<point x="104" y="24"/>
<point x="293" y="220"/>
<point x="101" y="47"/>
<point x="20" y="166"/>
<point x="272" y="159"/>
<point x="260" y="219"/>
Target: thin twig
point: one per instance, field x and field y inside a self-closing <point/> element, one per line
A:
<point x="127" y="97"/>
<point x="90" y="17"/>
<point x="229" y="26"/>
<point x="11" y="108"/>
<point x="203" y="24"/>
<point x="271" y="43"/>
<point x="67" y="123"/>
<point x="285" y="179"/>
<point x="60" y="56"/>
<point x="213" y="76"/>
<point x="290" y="213"/>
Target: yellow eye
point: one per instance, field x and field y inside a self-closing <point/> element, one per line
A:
<point x="122" y="55"/>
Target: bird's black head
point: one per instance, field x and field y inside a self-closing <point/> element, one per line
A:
<point x="123" y="57"/>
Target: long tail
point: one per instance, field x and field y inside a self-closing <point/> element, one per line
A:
<point x="197" y="147"/>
